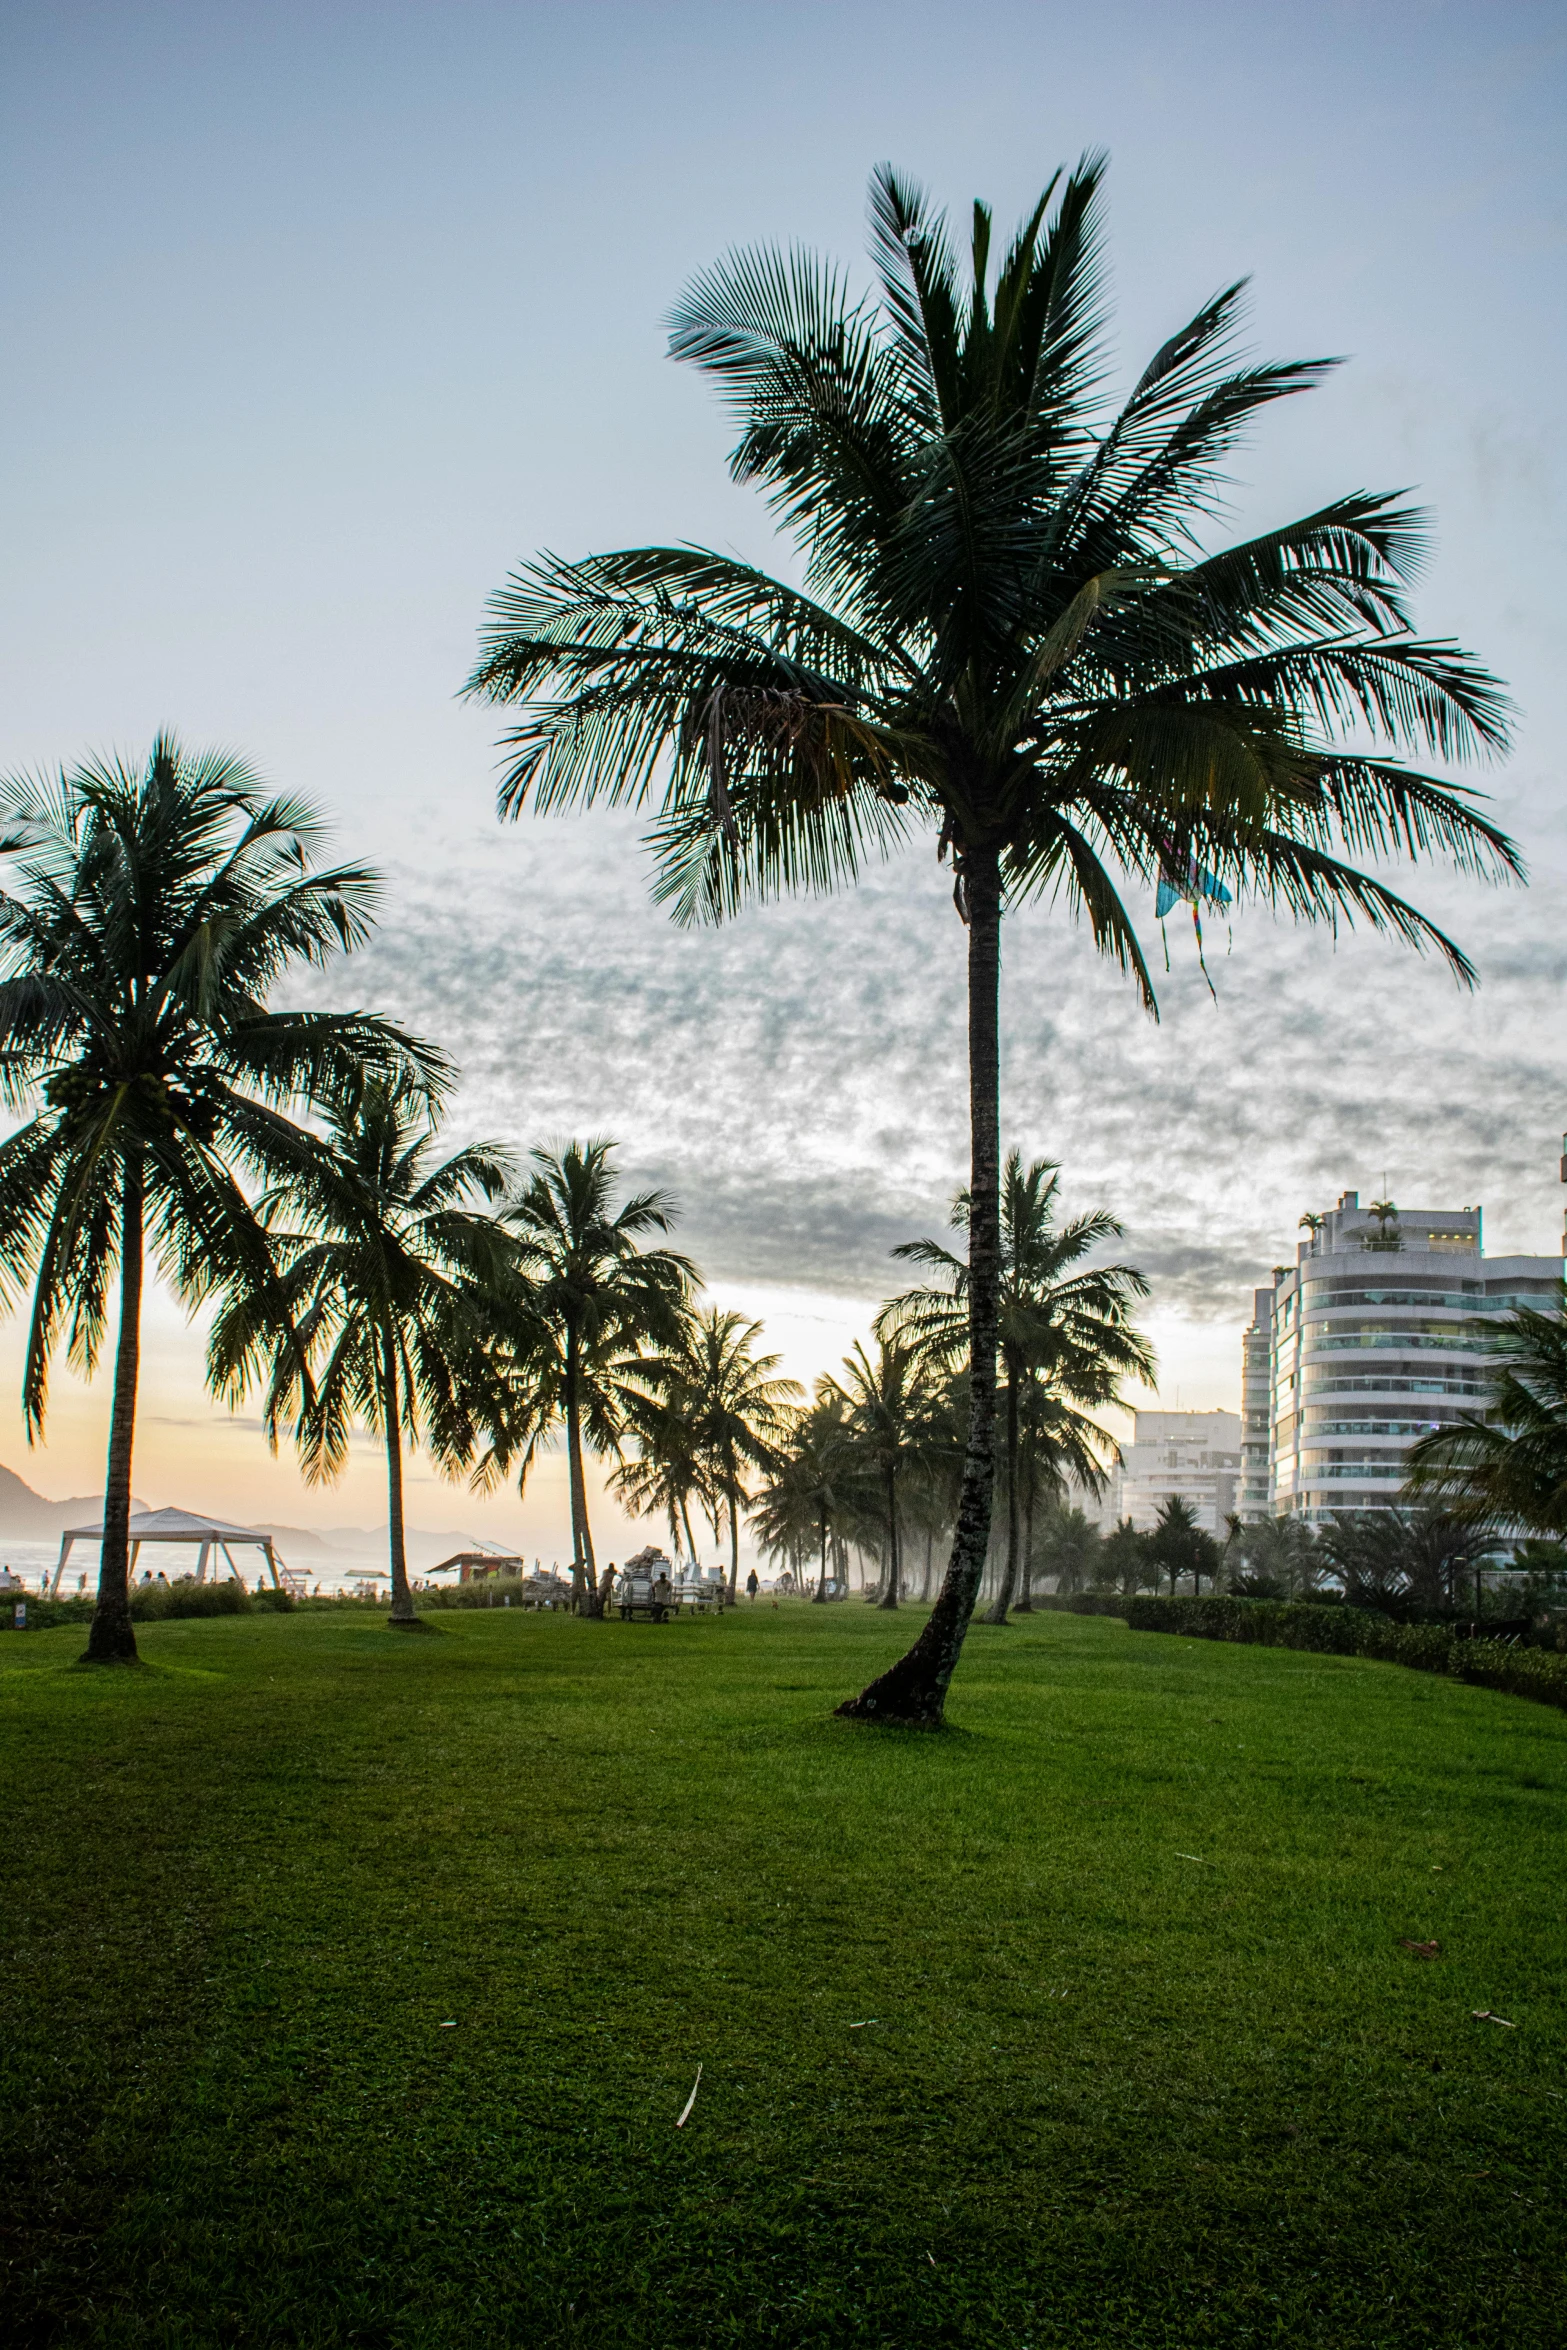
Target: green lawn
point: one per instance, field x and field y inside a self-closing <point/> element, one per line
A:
<point x="1087" y="2023"/>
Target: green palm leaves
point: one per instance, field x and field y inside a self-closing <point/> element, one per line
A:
<point x="149" y="913"/>
<point x="1507" y="1468"/>
<point x="1007" y="629"/>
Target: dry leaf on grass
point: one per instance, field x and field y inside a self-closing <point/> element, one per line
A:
<point x="1420" y="1949"/>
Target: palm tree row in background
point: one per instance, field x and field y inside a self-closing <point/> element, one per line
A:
<point x="285" y="1169"/>
<point x="880" y="1453"/>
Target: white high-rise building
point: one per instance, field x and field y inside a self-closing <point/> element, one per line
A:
<point x="1378" y="1334"/>
<point x="1194" y="1454"/>
<point x="1253" y="1500"/>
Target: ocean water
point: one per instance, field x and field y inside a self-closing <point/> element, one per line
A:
<point x="33" y="1563"/>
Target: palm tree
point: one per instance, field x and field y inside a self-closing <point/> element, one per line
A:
<point x="665" y="1472"/>
<point x="396" y="1285"/>
<point x="1065" y="1336"/>
<point x="739" y="1407"/>
<point x="812" y="1483"/>
<point x="599" y="1305"/>
<point x="1180" y="1546"/>
<point x="1507" y="1467"/>
<point x="1009" y="636"/>
<point x="1073" y="1549"/>
<point x="1060" y="1450"/>
<point x="1277" y="1558"/>
<point x="153" y="912"/>
<point x="887" y="1406"/>
<point x="1387" y="1238"/>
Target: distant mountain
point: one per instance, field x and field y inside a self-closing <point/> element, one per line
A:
<point x="426" y="1546"/>
<point x="25" y="1516"/>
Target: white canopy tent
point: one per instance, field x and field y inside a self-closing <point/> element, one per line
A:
<point x="205" y="1534"/>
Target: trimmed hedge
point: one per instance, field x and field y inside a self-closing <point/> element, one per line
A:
<point x="42" y="1614"/>
<point x="1083" y="1603"/>
<point x="1540" y="1673"/>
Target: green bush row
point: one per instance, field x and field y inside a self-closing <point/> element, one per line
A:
<point x="150" y="1603"/>
<point x="1083" y="1603"/>
<point x="1539" y="1673"/>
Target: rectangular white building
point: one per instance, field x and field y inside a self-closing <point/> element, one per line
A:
<point x="1194" y="1454"/>
<point x="1377" y="1334"/>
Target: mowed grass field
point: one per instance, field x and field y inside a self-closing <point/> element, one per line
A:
<point x="354" y="1983"/>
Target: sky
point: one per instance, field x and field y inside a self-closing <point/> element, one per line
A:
<point x="320" y="319"/>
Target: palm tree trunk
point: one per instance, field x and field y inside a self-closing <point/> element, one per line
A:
<point x="914" y="1690"/>
<point x="889" y="1597"/>
<point x="391" y="1415"/>
<point x="820" y="1593"/>
<point x="1025" y="1600"/>
<point x="584" y="1569"/>
<point x="997" y="1612"/>
<point x="734" y="1534"/>
<point x="685" y="1516"/>
<point x="110" y="1638"/>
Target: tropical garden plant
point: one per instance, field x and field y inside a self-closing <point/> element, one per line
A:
<point x="1010" y="636"/>
<point x="398" y="1286"/>
<point x="1071" y="1548"/>
<point x="149" y="914"/>
<point x="1421" y="1558"/>
<point x="1507" y="1465"/>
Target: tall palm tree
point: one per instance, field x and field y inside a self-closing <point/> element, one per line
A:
<point x="396" y="1284"/>
<point x="887" y="1405"/>
<point x="1064" y="1331"/>
<point x="151" y="913"/>
<point x="1506" y="1467"/>
<point x="1010" y="637"/>
<point x="812" y="1484"/>
<point x="739" y="1408"/>
<point x="665" y="1471"/>
<point x="599" y="1304"/>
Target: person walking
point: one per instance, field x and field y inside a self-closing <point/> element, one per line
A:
<point x="753" y="1584"/>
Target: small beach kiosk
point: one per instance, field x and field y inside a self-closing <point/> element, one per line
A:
<point x="204" y="1535"/>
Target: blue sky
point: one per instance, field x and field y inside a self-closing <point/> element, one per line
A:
<point x="318" y="320"/>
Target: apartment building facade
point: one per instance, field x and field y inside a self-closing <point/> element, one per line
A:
<point x="1196" y="1455"/>
<point x="1375" y="1335"/>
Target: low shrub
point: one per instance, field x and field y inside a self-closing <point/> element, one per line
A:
<point x="1083" y="1603"/>
<point x="152" y="1602"/>
<point x="1488" y="1663"/>
<point x="43" y="1614"/>
<point x="492" y="1591"/>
